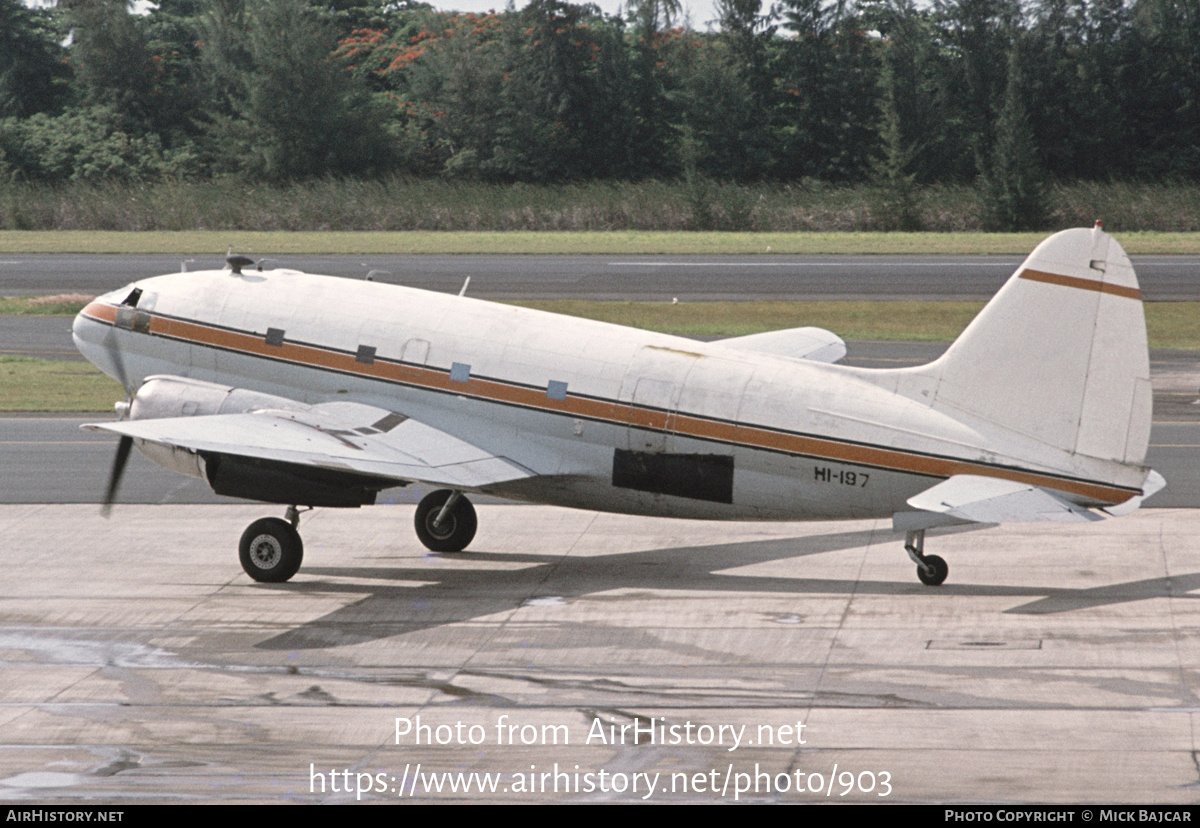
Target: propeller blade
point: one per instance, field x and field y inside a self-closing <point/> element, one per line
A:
<point x="118" y="362"/>
<point x="114" y="477"/>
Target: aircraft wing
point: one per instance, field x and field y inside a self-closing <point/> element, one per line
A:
<point x="993" y="500"/>
<point x="816" y="344"/>
<point x="340" y="436"/>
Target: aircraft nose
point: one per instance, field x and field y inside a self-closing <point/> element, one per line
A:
<point x="79" y="332"/>
<point x="89" y="337"/>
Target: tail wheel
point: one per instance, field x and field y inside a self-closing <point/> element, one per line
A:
<point x="934" y="570"/>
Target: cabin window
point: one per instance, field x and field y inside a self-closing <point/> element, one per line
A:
<point x="556" y="390"/>
<point x="275" y="337"/>
<point x="130" y="317"/>
<point x="460" y="372"/>
<point x="365" y="355"/>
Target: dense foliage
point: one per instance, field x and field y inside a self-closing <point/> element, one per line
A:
<point x="1004" y="93"/>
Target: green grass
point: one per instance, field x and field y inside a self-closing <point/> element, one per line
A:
<point x="1173" y="324"/>
<point x="233" y="205"/>
<point x="582" y="242"/>
<point x="44" y="385"/>
<point x="937" y="321"/>
<point x="66" y="304"/>
<point x="1168" y="324"/>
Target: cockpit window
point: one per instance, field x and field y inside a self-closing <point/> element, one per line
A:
<point x="132" y="299"/>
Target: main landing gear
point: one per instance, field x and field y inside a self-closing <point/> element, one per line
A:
<point x="445" y="521"/>
<point x="931" y="569"/>
<point x="271" y="550"/>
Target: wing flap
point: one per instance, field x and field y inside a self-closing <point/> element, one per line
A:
<point x="346" y="437"/>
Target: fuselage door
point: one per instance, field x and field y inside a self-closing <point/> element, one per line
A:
<point x="416" y="352"/>
<point x="650" y="391"/>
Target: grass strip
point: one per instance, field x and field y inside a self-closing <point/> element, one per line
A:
<point x="554" y="242"/>
<point x="28" y="384"/>
<point x="64" y="304"/>
<point x="936" y="321"/>
<point x="1168" y="324"/>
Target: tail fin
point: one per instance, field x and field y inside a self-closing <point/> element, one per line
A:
<point x="1060" y="353"/>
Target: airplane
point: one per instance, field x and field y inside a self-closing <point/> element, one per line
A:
<point x="314" y="391"/>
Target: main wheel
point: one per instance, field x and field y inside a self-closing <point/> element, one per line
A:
<point x="271" y="550"/>
<point x="940" y="569"/>
<point x="456" y="530"/>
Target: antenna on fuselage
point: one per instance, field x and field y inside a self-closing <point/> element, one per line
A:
<point x="236" y="263"/>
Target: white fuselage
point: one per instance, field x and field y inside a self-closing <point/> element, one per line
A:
<point x="605" y="417"/>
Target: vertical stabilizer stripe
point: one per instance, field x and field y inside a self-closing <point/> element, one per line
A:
<point x="1082" y="284"/>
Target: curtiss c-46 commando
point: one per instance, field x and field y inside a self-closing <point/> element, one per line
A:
<point x="313" y="391"/>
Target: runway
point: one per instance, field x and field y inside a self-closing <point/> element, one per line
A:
<point x="633" y="278"/>
<point x="796" y="663"/>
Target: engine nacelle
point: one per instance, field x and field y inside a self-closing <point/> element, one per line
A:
<point x="161" y="397"/>
<point x="234" y="476"/>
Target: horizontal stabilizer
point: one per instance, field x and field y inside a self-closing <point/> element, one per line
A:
<point x="816" y="344"/>
<point x="1154" y="484"/>
<point x="994" y="500"/>
<point x="343" y="436"/>
<point x="914" y="521"/>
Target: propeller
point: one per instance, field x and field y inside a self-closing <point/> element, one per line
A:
<point x="122" y="408"/>
<point x="114" y="476"/>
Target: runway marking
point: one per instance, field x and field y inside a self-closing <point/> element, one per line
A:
<point x="55" y="442"/>
<point x="38" y="415"/>
<point x="36" y="352"/>
<point x="811" y="264"/>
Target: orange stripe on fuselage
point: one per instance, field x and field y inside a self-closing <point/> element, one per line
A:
<point x="101" y="312"/>
<point x="687" y="425"/>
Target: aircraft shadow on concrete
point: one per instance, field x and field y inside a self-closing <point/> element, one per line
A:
<point x="452" y="595"/>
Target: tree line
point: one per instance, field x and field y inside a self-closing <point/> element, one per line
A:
<point x="1003" y="93"/>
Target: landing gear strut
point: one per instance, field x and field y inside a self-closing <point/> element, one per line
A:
<point x="931" y="569"/>
<point x="445" y="521"/>
<point x="271" y="550"/>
